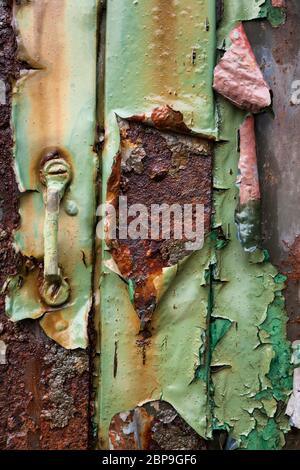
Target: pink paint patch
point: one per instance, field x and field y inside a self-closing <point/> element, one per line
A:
<point x="238" y="76"/>
<point x="248" y="180"/>
<point x="278" y="3"/>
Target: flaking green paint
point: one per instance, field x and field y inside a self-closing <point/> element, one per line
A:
<point x="276" y="16"/>
<point x="250" y="390"/>
<point x="149" y="63"/>
<point x="218" y="351"/>
<point x="248" y="221"/>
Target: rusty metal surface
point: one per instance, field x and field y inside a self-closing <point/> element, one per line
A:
<point x="54" y="110"/>
<point x="44" y="390"/>
<point x="278" y="53"/>
<point x="233" y="295"/>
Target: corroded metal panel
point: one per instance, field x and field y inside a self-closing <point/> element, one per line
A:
<point x="153" y="168"/>
<point x="190" y="343"/>
<point x="54" y="114"/>
<point x="223" y="306"/>
<point x="44" y="390"/>
<point x="153" y="426"/>
<point x="169" y="88"/>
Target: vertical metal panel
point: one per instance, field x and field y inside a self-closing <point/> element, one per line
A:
<point x="54" y="107"/>
<point x="44" y="389"/>
<point x="278" y="52"/>
<point x="159" y="62"/>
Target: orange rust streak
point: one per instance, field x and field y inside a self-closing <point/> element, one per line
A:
<point x="49" y="86"/>
<point x="163" y="46"/>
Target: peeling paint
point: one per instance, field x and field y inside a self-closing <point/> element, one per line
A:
<point x="153" y="167"/>
<point x="215" y="349"/>
<point x="293" y="408"/>
<point x="247" y="215"/>
<point x="222" y="316"/>
<point x="54" y="107"/>
<point x="246" y="400"/>
<point x="170" y="88"/>
<point x="2" y="353"/>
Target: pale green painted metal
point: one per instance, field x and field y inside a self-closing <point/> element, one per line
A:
<point x="55" y="107"/>
<point x="149" y="63"/>
<point x="254" y="356"/>
<point x="158" y="53"/>
<point x="162" y="52"/>
<point x="221" y="296"/>
<point x="55" y="175"/>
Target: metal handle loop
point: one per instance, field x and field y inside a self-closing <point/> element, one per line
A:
<point x="55" y="175"/>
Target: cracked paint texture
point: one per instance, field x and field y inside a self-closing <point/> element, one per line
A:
<point x="217" y="351"/>
<point x="251" y="364"/>
<point x="135" y="369"/>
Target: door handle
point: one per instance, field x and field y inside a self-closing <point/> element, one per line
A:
<point x="55" y="176"/>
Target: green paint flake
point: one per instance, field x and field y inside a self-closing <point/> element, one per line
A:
<point x="280" y="368"/>
<point x="218" y="351"/>
<point x="249" y="298"/>
<point x="267" y="437"/>
<point x="218" y="329"/>
<point x="248" y="221"/>
<point x="296" y="354"/>
<point x="135" y="37"/>
<point x="131" y="290"/>
<point x="60" y="115"/>
<point x="276" y="16"/>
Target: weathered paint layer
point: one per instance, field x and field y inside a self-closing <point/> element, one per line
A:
<point x="170" y="88"/>
<point x="251" y="363"/>
<point x="170" y="68"/>
<point x="54" y="108"/>
<point x="233" y="299"/>
<point x="247" y="215"/>
<point x="40" y="384"/>
<point x="238" y="77"/>
<point x="293" y="408"/>
<point x="153" y="426"/>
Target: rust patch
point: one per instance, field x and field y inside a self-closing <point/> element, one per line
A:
<point x="292" y="264"/>
<point x="166" y="118"/>
<point x="156" y="168"/>
<point x="155" y="426"/>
